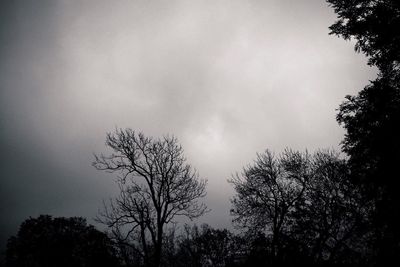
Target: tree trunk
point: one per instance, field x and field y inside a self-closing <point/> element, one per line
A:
<point x="158" y="247"/>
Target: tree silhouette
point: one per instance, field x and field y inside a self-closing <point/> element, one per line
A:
<point x="372" y="117"/>
<point x="267" y="194"/>
<point x="306" y="206"/>
<point x="206" y="246"/>
<point x="47" y="241"/>
<point x="371" y="121"/>
<point x="374" y="25"/>
<point x="331" y="220"/>
<point x="156" y="185"/>
<point x="218" y="247"/>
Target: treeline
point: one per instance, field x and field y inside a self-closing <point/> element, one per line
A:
<point x="294" y="208"/>
<point x="47" y="241"/>
<point x="289" y="209"/>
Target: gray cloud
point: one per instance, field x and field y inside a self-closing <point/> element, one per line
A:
<point x="228" y="78"/>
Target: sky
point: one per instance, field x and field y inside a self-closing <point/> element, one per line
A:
<point x="228" y="78"/>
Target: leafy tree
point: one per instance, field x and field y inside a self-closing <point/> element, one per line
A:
<point x="372" y="117"/>
<point x="156" y="185"/>
<point x="375" y="25"/>
<point x="47" y="241"/>
<point x="371" y="120"/>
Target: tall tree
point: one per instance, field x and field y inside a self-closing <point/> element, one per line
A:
<point x="156" y="185"/>
<point x="371" y="120"/>
<point x="372" y="117"/>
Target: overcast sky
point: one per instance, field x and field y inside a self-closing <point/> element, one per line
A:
<point x="228" y="78"/>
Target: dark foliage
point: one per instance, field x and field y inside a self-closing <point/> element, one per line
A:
<point x="372" y="120"/>
<point x="209" y="247"/>
<point x="69" y="242"/>
<point x="203" y="246"/>
<point x="372" y="117"/>
<point x="375" y="25"/>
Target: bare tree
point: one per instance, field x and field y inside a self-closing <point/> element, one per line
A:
<point x="305" y="203"/>
<point x="332" y="218"/>
<point x="267" y="193"/>
<point x="156" y="185"/>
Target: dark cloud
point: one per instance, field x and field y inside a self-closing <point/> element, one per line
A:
<point x="228" y="78"/>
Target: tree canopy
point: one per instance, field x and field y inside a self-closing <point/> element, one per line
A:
<point x="46" y="241"/>
<point x="375" y="25"/>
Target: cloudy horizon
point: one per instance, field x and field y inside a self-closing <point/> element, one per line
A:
<point x="227" y="78"/>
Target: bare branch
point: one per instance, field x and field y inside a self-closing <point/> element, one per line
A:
<point x="156" y="185"/>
